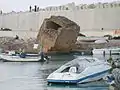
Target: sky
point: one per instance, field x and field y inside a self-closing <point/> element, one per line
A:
<point x="23" y="5"/>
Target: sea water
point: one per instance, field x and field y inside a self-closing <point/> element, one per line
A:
<point x="32" y="75"/>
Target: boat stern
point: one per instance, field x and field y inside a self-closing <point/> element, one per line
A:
<point x="61" y="78"/>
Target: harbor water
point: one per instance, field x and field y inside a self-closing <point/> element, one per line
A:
<point x="32" y="75"/>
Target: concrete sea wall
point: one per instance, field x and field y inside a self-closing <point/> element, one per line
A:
<point x="23" y="35"/>
<point x="101" y="20"/>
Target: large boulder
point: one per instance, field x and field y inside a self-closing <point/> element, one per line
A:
<point x="58" y="33"/>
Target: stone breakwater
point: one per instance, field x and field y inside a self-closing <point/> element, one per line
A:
<point x="116" y="75"/>
<point x="10" y="43"/>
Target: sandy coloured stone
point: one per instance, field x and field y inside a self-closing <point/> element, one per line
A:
<point x="58" y="33"/>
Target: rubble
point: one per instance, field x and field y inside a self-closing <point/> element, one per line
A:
<point x="10" y="43"/>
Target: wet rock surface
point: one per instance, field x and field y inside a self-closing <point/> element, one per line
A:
<point x="58" y="33"/>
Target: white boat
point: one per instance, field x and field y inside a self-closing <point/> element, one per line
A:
<point x="107" y="51"/>
<point x="100" y="51"/>
<point x="80" y="70"/>
<point x="17" y="58"/>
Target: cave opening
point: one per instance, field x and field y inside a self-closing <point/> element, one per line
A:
<point x="52" y="25"/>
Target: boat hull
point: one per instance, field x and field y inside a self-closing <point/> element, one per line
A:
<point x="9" y="58"/>
<point x="90" y="78"/>
<point x="80" y="70"/>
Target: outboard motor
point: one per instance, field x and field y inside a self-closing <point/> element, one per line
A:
<point x="42" y="56"/>
<point x="46" y="57"/>
<point x="22" y="55"/>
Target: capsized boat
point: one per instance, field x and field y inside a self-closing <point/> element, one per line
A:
<point x="80" y="70"/>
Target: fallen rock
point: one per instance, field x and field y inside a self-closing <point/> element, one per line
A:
<point x="58" y="33"/>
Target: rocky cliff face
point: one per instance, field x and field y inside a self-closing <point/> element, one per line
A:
<point x="58" y="33"/>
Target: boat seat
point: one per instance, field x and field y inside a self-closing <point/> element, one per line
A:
<point x="73" y="69"/>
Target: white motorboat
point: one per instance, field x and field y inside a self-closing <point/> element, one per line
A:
<point x="17" y="58"/>
<point x="107" y="51"/>
<point x="80" y="70"/>
<point x="12" y="57"/>
<point x="100" y="51"/>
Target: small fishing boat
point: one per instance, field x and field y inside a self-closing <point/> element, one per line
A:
<point x="12" y="57"/>
<point x="8" y="58"/>
<point x="80" y="70"/>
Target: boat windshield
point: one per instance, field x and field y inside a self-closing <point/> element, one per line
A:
<point x="65" y="70"/>
<point x="75" y="68"/>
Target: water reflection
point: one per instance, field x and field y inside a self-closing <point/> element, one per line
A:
<point x="88" y="86"/>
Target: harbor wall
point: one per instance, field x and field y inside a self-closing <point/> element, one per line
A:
<point x="22" y="35"/>
<point x="98" y="21"/>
